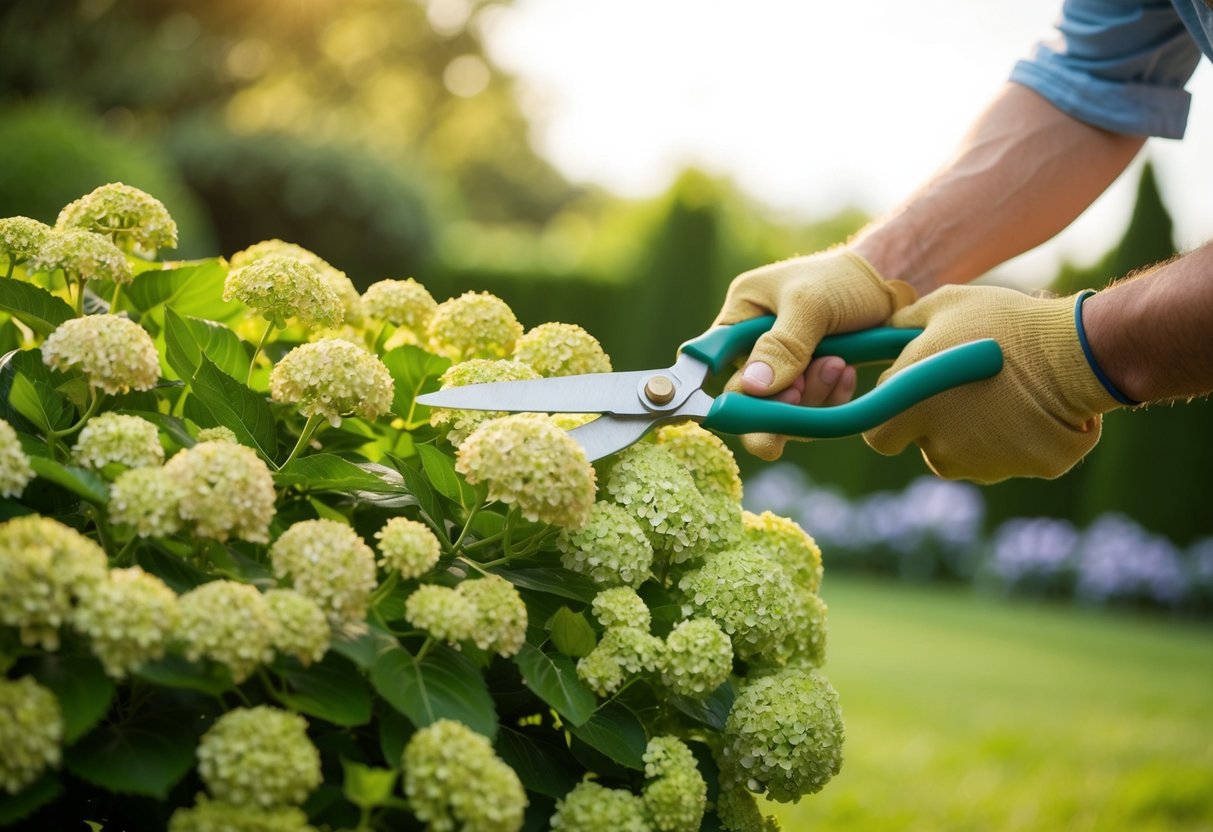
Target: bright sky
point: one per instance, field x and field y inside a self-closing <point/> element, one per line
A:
<point x="808" y="106"/>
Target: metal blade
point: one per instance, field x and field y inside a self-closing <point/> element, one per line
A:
<point x="591" y="393"/>
<point x="609" y="434"/>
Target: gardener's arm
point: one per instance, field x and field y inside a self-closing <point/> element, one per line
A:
<point x="1024" y="172"/>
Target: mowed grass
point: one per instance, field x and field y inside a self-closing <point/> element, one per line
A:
<point x="966" y="713"/>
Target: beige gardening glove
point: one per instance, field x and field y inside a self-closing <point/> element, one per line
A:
<point x="1037" y="418"/>
<point x="812" y="297"/>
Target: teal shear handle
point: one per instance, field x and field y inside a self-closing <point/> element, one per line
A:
<point x="738" y="413"/>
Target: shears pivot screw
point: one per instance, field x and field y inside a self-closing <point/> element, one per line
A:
<point x="660" y="390"/>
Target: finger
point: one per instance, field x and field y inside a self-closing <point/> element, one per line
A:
<point x="794" y="394"/>
<point x="844" y="391"/>
<point x="895" y="435"/>
<point x="780" y="355"/>
<point x="820" y="380"/>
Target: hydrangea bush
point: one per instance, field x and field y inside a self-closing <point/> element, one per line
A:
<point x="247" y="582"/>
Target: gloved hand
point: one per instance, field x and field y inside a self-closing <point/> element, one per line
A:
<point x="813" y="297"/>
<point x="1037" y="418"/>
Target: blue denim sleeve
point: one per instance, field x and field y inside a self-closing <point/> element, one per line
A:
<point x="1117" y="64"/>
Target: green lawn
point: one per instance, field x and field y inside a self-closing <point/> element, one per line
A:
<point x="964" y="713"/>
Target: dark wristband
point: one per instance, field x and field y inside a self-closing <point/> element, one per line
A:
<point x="1086" y="350"/>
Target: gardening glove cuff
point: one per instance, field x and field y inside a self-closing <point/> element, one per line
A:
<point x="812" y="297"/>
<point x="1037" y="418"/>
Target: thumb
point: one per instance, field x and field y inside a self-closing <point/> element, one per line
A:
<point x="779" y="356"/>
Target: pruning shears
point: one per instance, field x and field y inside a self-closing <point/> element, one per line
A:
<point x="632" y="403"/>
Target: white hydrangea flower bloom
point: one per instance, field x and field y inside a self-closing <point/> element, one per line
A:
<point x="621" y="606"/>
<point x="31" y="731"/>
<point x="148" y="500"/>
<point x="442" y="612"/>
<point x="500" y="614"/>
<point x="556" y="349"/>
<point x="401" y="302"/>
<point x="750" y="597"/>
<point x="651" y="485"/>
<point x="279" y="288"/>
<point x="82" y="254"/>
<point x="783" y="541"/>
<point x="259" y="757"/>
<point x="128" y="618"/>
<point x="221" y="816"/>
<point x="408" y="547"/>
<point x="473" y="325"/>
<point x="127" y="215"/>
<point x="226" y="491"/>
<point x="302" y="629"/>
<point x="330" y="275"/>
<point x="230" y="623"/>
<point x="15" y="470"/>
<point x="676" y="795"/>
<point x="711" y="463"/>
<point x="117" y="437"/>
<point x="114" y="353"/>
<point x="460" y="423"/>
<point x="591" y="807"/>
<point x="621" y="653"/>
<point x="332" y="378"/>
<point x="328" y="562"/>
<point x="21" y="237"/>
<point x="698" y="658"/>
<point x="611" y="548"/>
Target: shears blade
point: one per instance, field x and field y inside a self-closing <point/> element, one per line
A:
<point x="614" y="393"/>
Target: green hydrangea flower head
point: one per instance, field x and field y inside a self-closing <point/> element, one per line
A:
<point x="611" y="549"/>
<point x="750" y="597"/>
<point x="331" y="378"/>
<point x="784" y="736"/>
<point x="500" y="614"/>
<point x="46" y="568"/>
<point x="621" y="606"/>
<point x="31" y="731"/>
<point x="738" y="812"/>
<point x="705" y="455"/>
<point x="783" y="541"/>
<point x="301" y="628"/>
<point x="621" y="653"/>
<point x="128" y="216"/>
<point x="259" y="757"/>
<point x="650" y="483"/>
<point x="221" y="816"/>
<point x="442" y="612"/>
<point x="21" y="237"/>
<point x="454" y="780"/>
<point x="82" y="254"/>
<point x="473" y="325"/>
<point x="128" y="618"/>
<point x="15" y="470"/>
<point x="279" y="288"/>
<point x="698" y="658"/>
<point x="590" y="807"/>
<point x="676" y="795"/>
<point x="226" y="491"/>
<point x="148" y="500"/>
<point x="530" y="463"/>
<point x="330" y="275"/>
<point x="227" y="622"/>
<point x="461" y="423"/>
<point x="115" y="354"/>
<point x="805" y="644"/>
<point x="401" y="302"/>
<point x="408" y="547"/>
<point x="556" y="349"/>
<point x="722" y="525"/>
<point x="328" y="562"/>
<point x="118" y="437"/>
<point x="219" y="433"/>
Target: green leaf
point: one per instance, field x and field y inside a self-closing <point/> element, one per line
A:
<point x="328" y="472"/>
<point x="190" y="289"/>
<point x="80" y="481"/>
<point x="14" y="807"/>
<point x="145" y="753"/>
<point x="394" y="733"/>
<point x="616" y="732"/>
<point x="365" y="648"/>
<point x="332" y="690"/>
<point x="171" y="568"/>
<point x="187" y="339"/>
<point x="415" y="372"/>
<point x="543" y="765"/>
<point x="571" y="633"/>
<point x="81" y="686"/>
<point x="419" y="487"/>
<point x="440" y="468"/>
<point x="552" y="581"/>
<point x="367" y="787"/>
<point x="553" y="678"/>
<point x="177" y="672"/>
<point x="218" y="399"/>
<point x="34" y="306"/>
<point x="30" y="391"/>
<point x="171" y="425"/>
<point x="712" y="711"/>
<point x="443" y="685"/>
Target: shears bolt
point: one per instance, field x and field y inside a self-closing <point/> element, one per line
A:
<point x="660" y="390"/>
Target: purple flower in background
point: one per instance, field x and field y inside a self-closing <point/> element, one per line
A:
<point x="1200" y="562"/>
<point x="777" y="488"/>
<point x="827" y="516"/>
<point x="1033" y="547"/>
<point x="1119" y="559"/>
<point x="950" y="512"/>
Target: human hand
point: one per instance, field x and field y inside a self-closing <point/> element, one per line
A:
<point x="812" y="297"/>
<point x="1036" y="418"/>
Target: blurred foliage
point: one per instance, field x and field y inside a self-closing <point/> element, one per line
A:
<point x="53" y="154"/>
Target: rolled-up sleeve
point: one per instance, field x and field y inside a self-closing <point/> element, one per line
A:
<point x="1117" y="65"/>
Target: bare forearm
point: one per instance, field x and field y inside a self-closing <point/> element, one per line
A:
<point x="1153" y="334"/>
<point x="1022" y="174"/>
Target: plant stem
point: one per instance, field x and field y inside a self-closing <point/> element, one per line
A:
<point x="120" y="559"/>
<point x="269" y="327"/>
<point x="467" y="526"/>
<point x="304" y="437"/>
<point x="88" y="414"/>
<point x="80" y="299"/>
<point x="12" y="264"/>
<point x="425" y="648"/>
<point x="386" y="589"/>
<point x="114" y="299"/>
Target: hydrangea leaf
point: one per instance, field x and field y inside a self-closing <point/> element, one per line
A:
<point x="571" y="633"/>
<point x="443" y="685"/>
<point x="33" y="306"/>
<point x="440" y="468"/>
<point x="329" y="472"/>
<point x="365" y="786"/>
<point x="542" y="763"/>
<point x="219" y="400"/>
<point x="712" y="710"/>
<point x="28" y="393"/>
<point x="187" y="339"/>
<point x="81" y="482"/>
<point x="553" y="678"/>
<point x="615" y="731"/>
<point x="190" y="289"/>
<point x="81" y="686"/>
<point x="145" y="753"/>
<point x="552" y="581"/>
<point x="14" y="807"/>
<point x="330" y="690"/>
<point x="415" y="372"/>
